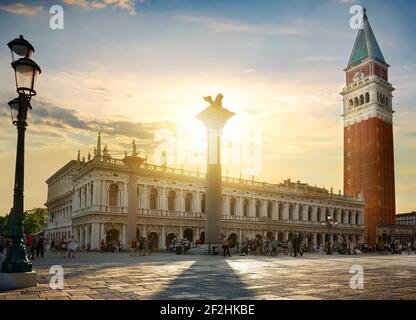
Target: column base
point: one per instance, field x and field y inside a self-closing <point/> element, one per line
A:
<point x="10" y="281"/>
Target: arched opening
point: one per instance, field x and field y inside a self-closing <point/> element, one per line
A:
<point x="270" y="235"/>
<point x="269" y="209"/>
<point x="351" y="103"/>
<point x="357" y="215"/>
<point x="290" y="212"/>
<point x="232" y="206"/>
<point x="280" y="237"/>
<point x="259" y="237"/>
<point x="367" y="97"/>
<point x="342" y="216"/>
<point x="171" y="200"/>
<point x="154" y="239"/>
<point x="188" y="202"/>
<point x="361" y="100"/>
<point x="321" y="215"/>
<point x="112" y="195"/>
<point x="258" y="208"/>
<point x="203" y="202"/>
<point x="280" y="211"/>
<point x="245" y="208"/>
<point x="319" y="240"/>
<point x="202" y="237"/>
<point x="300" y="212"/>
<point x="355" y="102"/>
<point x="349" y="217"/>
<point x="327" y="214"/>
<point x="137" y="233"/>
<point x="169" y="239"/>
<point x="153" y="198"/>
<point x="111" y="236"/>
<point x="291" y="236"/>
<point x="310" y="214"/>
<point x="188" y="234"/>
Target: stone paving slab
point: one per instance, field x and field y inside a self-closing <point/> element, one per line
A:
<point x="110" y="276"/>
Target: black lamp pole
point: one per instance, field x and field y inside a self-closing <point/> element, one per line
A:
<point x="16" y="260"/>
<point x="26" y="72"/>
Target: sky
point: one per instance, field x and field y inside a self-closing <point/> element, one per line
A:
<point x="139" y="69"/>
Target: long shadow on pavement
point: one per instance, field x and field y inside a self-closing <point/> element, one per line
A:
<point x="206" y="279"/>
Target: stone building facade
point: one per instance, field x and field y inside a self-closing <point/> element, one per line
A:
<point x="89" y="199"/>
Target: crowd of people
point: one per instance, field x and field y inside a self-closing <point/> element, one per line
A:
<point x="142" y="245"/>
<point x="37" y="246"/>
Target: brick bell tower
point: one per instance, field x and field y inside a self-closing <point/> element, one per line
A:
<point x="368" y="132"/>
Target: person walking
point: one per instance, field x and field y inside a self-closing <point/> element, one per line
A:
<point x="29" y="242"/>
<point x="226" y="247"/>
<point x="149" y="247"/>
<point x="40" y="249"/>
<point x="133" y="248"/>
<point x="141" y="247"/>
<point x="72" y="247"/>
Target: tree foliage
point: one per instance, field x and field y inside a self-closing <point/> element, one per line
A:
<point x="33" y="221"/>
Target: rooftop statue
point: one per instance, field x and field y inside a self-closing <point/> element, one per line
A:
<point x="215" y="104"/>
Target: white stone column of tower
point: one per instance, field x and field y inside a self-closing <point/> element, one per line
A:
<point x="214" y="118"/>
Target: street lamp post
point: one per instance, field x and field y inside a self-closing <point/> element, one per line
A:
<point x="26" y="72"/>
<point x="329" y="224"/>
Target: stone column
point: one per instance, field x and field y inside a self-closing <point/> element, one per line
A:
<point x="163" y="237"/>
<point x="240" y="236"/>
<point x="124" y="236"/>
<point x="214" y="118"/>
<point x="81" y="237"/>
<point x="286" y="235"/>
<point x="286" y="206"/>
<point x="275" y="213"/>
<point x="132" y="163"/>
<point x="102" y="231"/>
<point x="239" y="202"/>
<point x="296" y="212"/>
<point x="86" y="238"/>
<point x="95" y="234"/>
<point x="263" y="208"/>
<point x="197" y="202"/>
<point x="314" y="214"/>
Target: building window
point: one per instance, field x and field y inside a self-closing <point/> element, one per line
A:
<point x="349" y="181"/>
<point x="91" y="193"/>
<point x="171" y="200"/>
<point x="269" y="209"/>
<point x="361" y="100"/>
<point x="310" y="214"/>
<point x="112" y="195"/>
<point x="245" y="208"/>
<point x="203" y="202"/>
<point x="290" y="212"/>
<point x="258" y="208"/>
<point x="188" y="202"/>
<point x="280" y="211"/>
<point x="153" y="198"/>
<point x="232" y="206"/>
<point x="367" y="97"/>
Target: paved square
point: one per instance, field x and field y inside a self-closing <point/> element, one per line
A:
<point x="168" y="276"/>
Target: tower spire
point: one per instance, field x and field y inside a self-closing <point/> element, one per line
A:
<point x="366" y="45"/>
<point x="99" y="145"/>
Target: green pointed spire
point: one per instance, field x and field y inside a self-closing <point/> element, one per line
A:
<point x="366" y="45"/>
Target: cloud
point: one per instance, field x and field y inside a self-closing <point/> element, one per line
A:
<point x="53" y="122"/>
<point x="21" y="9"/>
<point x="126" y="5"/>
<point x="231" y="25"/>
